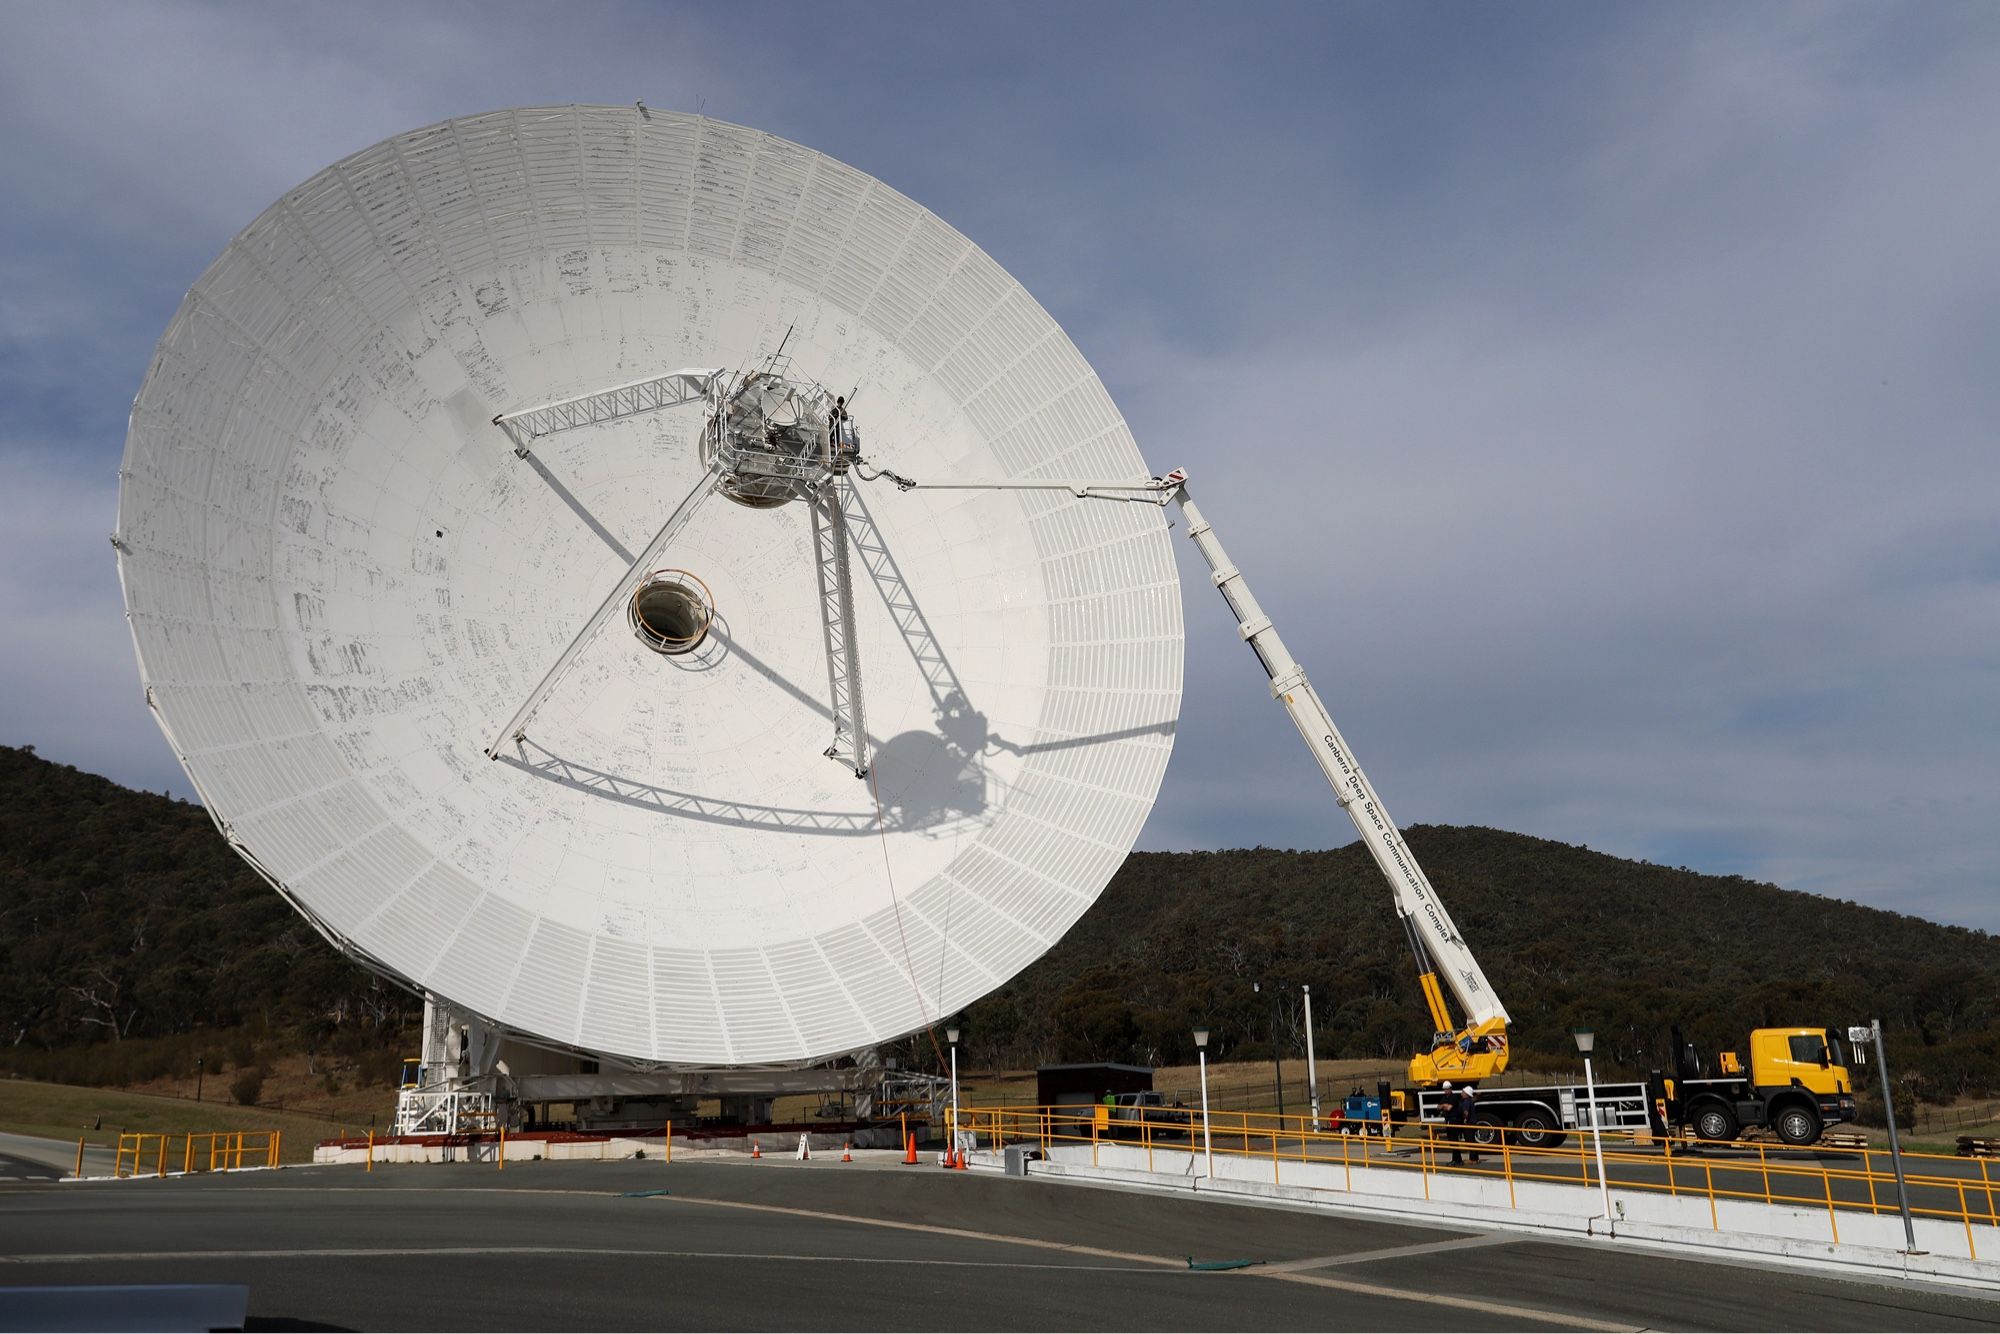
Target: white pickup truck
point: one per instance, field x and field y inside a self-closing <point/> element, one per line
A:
<point x="1132" y="1115"/>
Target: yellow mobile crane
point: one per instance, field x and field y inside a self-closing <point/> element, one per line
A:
<point x="1470" y="1048"/>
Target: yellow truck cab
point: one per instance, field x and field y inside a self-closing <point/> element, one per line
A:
<point x="1797" y="1084"/>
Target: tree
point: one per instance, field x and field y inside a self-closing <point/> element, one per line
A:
<point x="248" y="1084"/>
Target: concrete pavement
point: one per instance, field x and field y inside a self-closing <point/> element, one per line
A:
<point x="31" y="1158"/>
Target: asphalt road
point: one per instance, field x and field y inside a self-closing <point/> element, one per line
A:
<point x="832" y="1246"/>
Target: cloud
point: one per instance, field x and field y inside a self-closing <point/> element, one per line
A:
<point x="1600" y="400"/>
<point x="72" y="684"/>
<point x="1671" y="543"/>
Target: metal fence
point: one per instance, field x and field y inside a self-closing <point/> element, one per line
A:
<point x="1926" y="1119"/>
<point x="1841" y="1181"/>
<point x="156" y="1155"/>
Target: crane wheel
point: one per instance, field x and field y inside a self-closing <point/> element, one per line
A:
<point x="1485" y="1131"/>
<point x="1797" y="1125"/>
<point x="1716" y="1124"/>
<point x="1538" y="1129"/>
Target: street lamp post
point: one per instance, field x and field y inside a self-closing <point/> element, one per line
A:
<point x="951" y="1036"/>
<point x="1207" y="1146"/>
<point x="1312" y="1066"/>
<point x="1585" y="1040"/>
<point x="1873" y="1033"/>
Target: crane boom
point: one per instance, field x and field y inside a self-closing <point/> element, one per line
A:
<point x="1476" y="1046"/>
<point x="1433" y="934"/>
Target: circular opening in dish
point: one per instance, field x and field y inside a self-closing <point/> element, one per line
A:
<point x="671" y="612"/>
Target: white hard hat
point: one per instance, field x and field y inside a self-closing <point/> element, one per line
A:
<point x="1447" y="1083"/>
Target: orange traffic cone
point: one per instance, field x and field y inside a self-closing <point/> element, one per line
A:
<point x="960" y="1163"/>
<point x="847" y="1152"/>
<point x="910" y="1152"/>
<point x="755" y="1152"/>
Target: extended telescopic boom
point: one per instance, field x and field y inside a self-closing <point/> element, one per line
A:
<point x="1478" y="1047"/>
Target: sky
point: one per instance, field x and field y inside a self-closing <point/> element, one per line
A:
<point x="1600" y="398"/>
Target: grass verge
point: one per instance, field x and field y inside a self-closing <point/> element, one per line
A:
<point x="67" y="1111"/>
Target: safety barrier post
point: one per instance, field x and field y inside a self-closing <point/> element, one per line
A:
<point x="500" y="1155"/>
<point x="371" y="1151"/>
<point x="79" y="1157"/>
<point x="1764" y="1163"/>
<point x="670" y="1142"/>
<point x="1427" y="1156"/>
<point x="277" y="1145"/>
<point x="1507" y="1164"/>
<point x="1093" y="1139"/>
<point x="1667" y="1147"/>
<point x="1146" y="1133"/>
<point x="187" y="1154"/>
<point x="1274" y="1151"/>
<point x="1985" y="1182"/>
<point x="1971" y="1252"/>
<point x="1708" y="1170"/>
<point x="163" y="1154"/>
<point x="1826" y="1180"/>
<point x="1868" y="1170"/>
<point x="1346" y="1166"/>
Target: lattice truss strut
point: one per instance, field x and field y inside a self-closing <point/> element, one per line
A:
<point x="819" y="475"/>
<point x="830" y="506"/>
<point x="605" y="405"/>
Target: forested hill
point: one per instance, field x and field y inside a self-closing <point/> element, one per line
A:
<point x="1568" y="937"/>
<point x="123" y="914"/>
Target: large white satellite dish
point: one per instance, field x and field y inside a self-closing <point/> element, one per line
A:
<point x="343" y="580"/>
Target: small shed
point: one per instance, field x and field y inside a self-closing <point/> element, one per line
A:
<point x="1081" y="1085"/>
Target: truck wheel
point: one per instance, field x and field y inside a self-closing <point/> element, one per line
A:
<point x="1538" y="1130"/>
<point x="1715" y="1123"/>
<point x="1797" y="1125"/>
<point x="1485" y="1131"/>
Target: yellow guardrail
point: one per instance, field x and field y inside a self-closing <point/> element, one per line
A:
<point x="1633" y="1161"/>
<point x="147" y="1154"/>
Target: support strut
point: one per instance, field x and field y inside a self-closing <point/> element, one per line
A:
<point x="836" y="619"/>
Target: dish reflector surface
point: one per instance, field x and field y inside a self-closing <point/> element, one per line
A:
<point x="341" y="580"/>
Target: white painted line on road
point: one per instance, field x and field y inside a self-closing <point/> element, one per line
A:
<point x="1394" y="1253"/>
<point x="461" y="1252"/>
<point x="1531" y="1314"/>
